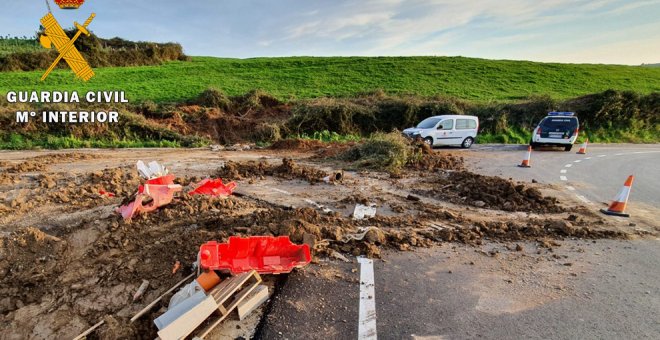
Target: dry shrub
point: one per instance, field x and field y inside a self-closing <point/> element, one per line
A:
<point x="388" y="151"/>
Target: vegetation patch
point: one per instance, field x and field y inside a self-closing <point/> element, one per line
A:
<point x="297" y="78"/>
<point x="27" y="55"/>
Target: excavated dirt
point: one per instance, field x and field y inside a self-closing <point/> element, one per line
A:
<point x="67" y="260"/>
<point x="322" y="150"/>
<point x="431" y="162"/>
<point x="287" y="170"/>
<point x="39" y="163"/>
<point x="489" y="192"/>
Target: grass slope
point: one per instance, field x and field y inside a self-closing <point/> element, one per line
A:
<point x="308" y="77"/>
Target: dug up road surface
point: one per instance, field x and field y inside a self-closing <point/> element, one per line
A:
<point x="456" y="253"/>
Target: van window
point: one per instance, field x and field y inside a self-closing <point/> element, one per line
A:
<point x="446" y="124"/>
<point x="428" y="123"/>
<point x="464" y="124"/>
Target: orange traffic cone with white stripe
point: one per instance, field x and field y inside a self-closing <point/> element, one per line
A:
<point x="583" y="147"/>
<point x="618" y="206"/>
<point x="526" y="162"/>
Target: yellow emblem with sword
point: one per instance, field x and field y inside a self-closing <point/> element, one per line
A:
<point x="54" y="35"/>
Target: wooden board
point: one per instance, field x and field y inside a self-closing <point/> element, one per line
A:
<point x="252" y="302"/>
<point x="228" y="294"/>
<point x="188" y="321"/>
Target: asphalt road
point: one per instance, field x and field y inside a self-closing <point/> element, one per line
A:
<point x="592" y="179"/>
<point x="604" y="289"/>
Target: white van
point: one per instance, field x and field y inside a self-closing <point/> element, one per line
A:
<point x="446" y="130"/>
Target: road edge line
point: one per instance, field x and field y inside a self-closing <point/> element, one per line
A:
<point x="367" y="311"/>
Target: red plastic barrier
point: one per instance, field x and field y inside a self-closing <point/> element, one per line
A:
<point x="162" y="180"/>
<point x="265" y="254"/>
<point x="213" y="187"/>
<point x="160" y="195"/>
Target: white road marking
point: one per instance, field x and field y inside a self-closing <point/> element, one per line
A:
<point x="563" y="171"/>
<point x="568" y="165"/>
<point x="318" y="206"/>
<point x="577" y="161"/>
<point x="563" y="178"/>
<point x="602" y="155"/>
<point x="282" y="191"/>
<point x="588" y="158"/>
<point x="367" y="312"/>
<point x="583" y="199"/>
<point x="570" y="188"/>
<point x="619" y="154"/>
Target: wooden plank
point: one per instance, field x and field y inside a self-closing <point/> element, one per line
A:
<point x="226" y="289"/>
<point x="231" y="307"/>
<point x="89" y="330"/>
<point x="242" y="295"/>
<point x="152" y="304"/>
<point x="188" y="321"/>
<point x="256" y="299"/>
<point x="223" y="294"/>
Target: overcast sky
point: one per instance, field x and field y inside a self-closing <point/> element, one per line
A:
<point x="575" y="31"/>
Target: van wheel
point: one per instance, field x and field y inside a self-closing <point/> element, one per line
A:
<point x="568" y="147"/>
<point x="467" y="143"/>
<point x="428" y="141"/>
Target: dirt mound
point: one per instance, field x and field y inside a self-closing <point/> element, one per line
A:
<point x="28" y="258"/>
<point x="298" y="144"/>
<point x="489" y="192"/>
<point x="322" y="149"/>
<point x="436" y="161"/>
<point x="39" y="163"/>
<point x="287" y="170"/>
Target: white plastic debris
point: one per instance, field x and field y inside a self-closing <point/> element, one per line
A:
<point x="184" y="293"/>
<point x="362" y="211"/>
<point x="154" y="170"/>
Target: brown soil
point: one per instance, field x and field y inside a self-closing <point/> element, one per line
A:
<point x="39" y="163"/>
<point x="490" y="192"/>
<point x="287" y="170"/>
<point x="67" y="260"/>
<point x="322" y="149"/>
<point x="430" y="162"/>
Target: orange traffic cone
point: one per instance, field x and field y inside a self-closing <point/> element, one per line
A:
<point x="526" y="161"/>
<point x="618" y="206"/>
<point x="583" y="148"/>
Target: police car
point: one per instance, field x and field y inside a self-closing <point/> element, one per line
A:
<point x="557" y="129"/>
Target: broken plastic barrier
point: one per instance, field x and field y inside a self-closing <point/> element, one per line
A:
<point x="265" y="254"/>
<point x="213" y="187"/>
<point x="154" y="170"/>
<point x="158" y="191"/>
<point x="160" y="195"/>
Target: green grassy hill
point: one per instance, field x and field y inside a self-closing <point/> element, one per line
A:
<point x="308" y="77"/>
